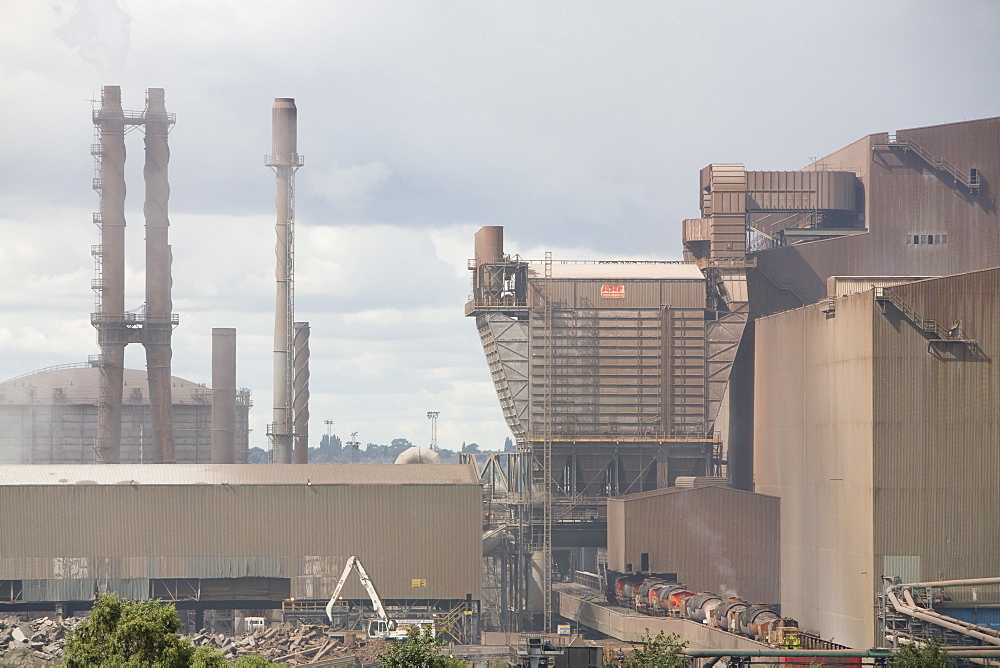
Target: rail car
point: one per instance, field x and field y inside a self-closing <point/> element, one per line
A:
<point x="663" y="596"/>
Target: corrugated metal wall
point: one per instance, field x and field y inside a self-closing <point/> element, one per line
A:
<point x="53" y="433"/>
<point x="813" y="449"/>
<point x="802" y="190"/>
<point x="715" y="538"/>
<point x="904" y="196"/>
<point x="304" y="532"/>
<point x="631" y="365"/>
<point x="937" y="430"/>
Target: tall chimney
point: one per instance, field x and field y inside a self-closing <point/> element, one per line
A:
<point x="300" y="402"/>
<point x="109" y="284"/>
<point x="223" y="395"/>
<point x="157" y="324"/>
<point x="285" y="160"/>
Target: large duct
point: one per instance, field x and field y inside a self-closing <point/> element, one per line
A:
<point x="285" y="160"/>
<point x="300" y="401"/>
<point x="157" y="324"/>
<point x="223" y="395"/>
<point x="112" y="335"/>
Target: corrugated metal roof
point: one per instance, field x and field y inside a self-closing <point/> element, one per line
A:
<point x="239" y="474"/>
<point x="82" y="386"/>
<point x="611" y="270"/>
<point x="713" y="489"/>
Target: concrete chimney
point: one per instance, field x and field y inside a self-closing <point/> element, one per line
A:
<point x="300" y="402"/>
<point x="157" y="323"/>
<point x="285" y="160"/>
<point x="109" y="284"/>
<point x="223" y="395"/>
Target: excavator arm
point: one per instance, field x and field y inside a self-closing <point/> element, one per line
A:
<point x="366" y="582"/>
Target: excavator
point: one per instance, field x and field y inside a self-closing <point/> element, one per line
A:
<point x="380" y="626"/>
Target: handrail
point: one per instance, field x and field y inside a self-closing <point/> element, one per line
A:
<point x="969" y="181"/>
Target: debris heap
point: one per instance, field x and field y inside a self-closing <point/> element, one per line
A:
<point x="40" y="642"/>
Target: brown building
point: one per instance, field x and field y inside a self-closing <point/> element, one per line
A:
<point x="876" y="423"/>
<point x="238" y="536"/>
<point x="715" y="539"/>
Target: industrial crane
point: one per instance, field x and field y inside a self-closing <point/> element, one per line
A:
<point x="381" y="626"/>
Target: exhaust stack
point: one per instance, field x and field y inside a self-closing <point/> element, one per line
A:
<point x="300" y="400"/>
<point x="285" y="161"/>
<point x="152" y="325"/>
<point x="223" y="395"/>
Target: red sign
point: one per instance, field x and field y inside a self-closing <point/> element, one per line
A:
<point x="613" y="291"/>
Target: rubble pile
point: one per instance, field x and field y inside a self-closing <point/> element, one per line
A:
<point x="290" y="645"/>
<point x="40" y="639"/>
<point x="40" y="642"/>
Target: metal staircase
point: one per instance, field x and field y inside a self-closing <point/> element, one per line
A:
<point x="969" y="180"/>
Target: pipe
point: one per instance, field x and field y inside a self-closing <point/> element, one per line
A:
<point x="223" y="395"/>
<point x="300" y="395"/>
<point x="157" y="325"/>
<point x="284" y="159"/>
<point x="111" y="332"/>
<point x="913" y="611"/>
<point x="954" y="583"/>
<point x="855" y="653"/>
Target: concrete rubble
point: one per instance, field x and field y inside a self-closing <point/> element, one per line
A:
<point x="39" y="642"/>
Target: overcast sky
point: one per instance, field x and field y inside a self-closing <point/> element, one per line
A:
<point x="579" y="126"/>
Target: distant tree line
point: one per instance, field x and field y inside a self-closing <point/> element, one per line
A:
<point x="332" y="450"/>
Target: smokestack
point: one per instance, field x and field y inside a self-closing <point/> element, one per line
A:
<point x="109" y="284"/>
<point x="158" y="323"/>
<point x="223" y="395"/>
<point x="285" y="160"/>
<point x="300" y="403"/>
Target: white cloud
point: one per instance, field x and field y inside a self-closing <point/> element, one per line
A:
<point x="580" y="127"/>
<point x="350" y="188"/>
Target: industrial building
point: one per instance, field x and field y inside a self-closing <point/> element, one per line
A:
<point x="211" y="537"/>
<point x="823" y="275"/>
<point x="720" y="539"/>
<point x="51" y="416"/>
<point x="876" y="424"/>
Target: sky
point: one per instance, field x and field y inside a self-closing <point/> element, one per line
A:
<point x="579" y="126"/>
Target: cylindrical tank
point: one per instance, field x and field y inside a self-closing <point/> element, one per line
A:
<point x="672" y="598"/>
<point x="489" y="244"/>
<point x="756" y="620"/>
<point x="699" y="608"/>
<point x="642" y="593"/>
<point x="727" y="613"/>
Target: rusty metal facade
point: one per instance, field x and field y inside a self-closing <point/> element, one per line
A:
<point x="416" y="527"/>
<point x="876" y="419"/>
<point x="732" y="547"/>
<point x="152" y="323"/>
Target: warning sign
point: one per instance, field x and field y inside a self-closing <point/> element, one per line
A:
<point x="613" y="291"/>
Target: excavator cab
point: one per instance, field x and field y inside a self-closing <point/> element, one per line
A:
<point x="380" y="628"/>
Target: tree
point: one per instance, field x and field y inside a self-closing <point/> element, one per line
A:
<point x="421" y="649"/>
<point x="252" y="661"/>
<point x="930" y="655"/>
<point x="133" y="633"/>
<point x="659" y="652"/>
